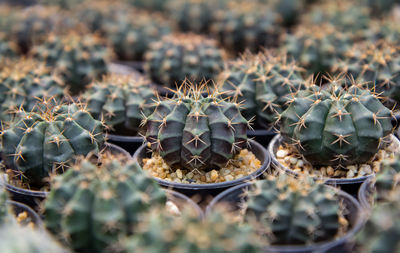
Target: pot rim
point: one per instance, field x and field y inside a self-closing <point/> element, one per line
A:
<point x="332" y="181"/>
<point x="124" y="138"/>
<point x="320" y="246"/>
<point x="169" y="184"/>
<point x="36" y="218"/>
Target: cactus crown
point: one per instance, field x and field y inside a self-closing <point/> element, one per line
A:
<point x="45" y="140"/>
<point x="196" y="131"/>
<point x="294" y="211"/>
<point x="262" y="83"/>
<point x="120" y="100"/>
<point x="336" y="125"/>
<point x="179" y="57"/>
<point x="97" y="201"/>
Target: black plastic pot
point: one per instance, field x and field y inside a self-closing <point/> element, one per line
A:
<point x="349" y="185"/>
<point x="184" y="203"/>
<point x="366" y="194"/>
<point x="212" y="189"/>
<point x="128" y="143"/>
<point x="235" y="197"/>
<point x="262" y="136"/>
<point x="18" y="208"/>
<point x="136" y="65"/>
<point x="33" y="198"/>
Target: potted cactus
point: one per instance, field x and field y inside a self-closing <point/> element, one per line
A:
<point x="338" y="132"/>
<point x="95" y="202"/>
<point x="199" y="143"/>
<point x="263" y="84"/>
<point x="8" y="50"/>
<point x="121" y="102"/>
<point x="294" y="215"/>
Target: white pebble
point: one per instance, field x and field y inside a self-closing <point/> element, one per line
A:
<point x="281" y="153"/>
<point x="293" y="160"/>
<point x="300" y="163"/>
<point x="172" y="208"/>
<point x="352" y="168"/>
<point x="366" y="169"/>
<point x="350" y="174"/>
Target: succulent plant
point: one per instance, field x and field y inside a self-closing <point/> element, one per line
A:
<point x="44" y="141"/>
<point x="14" y="238"/>
<point x="381" y="232"/>
<point x="377" y="65"/>
<point x="244" y="26"/>
<point x="179" y="57"/>
<point x="386" y="29"/>
<point x="289" y="211"/>
<point x="195" y="131"/>
<point x="151" y="5"/>
<point x="78" y="59"/>
<point x="131" y="38"/>
<point x="334" y="125"/>
<point x="381" y="7"/>
<point x="388" y="178"/>
<point x="64" y="4"/>
<point x="4" y="212"/>
<point x="316" y="48"/>
<point x="218" y="233"/>
<point x="92" y="205"/>
<point x="262" y="83"/>
<point x="8" y="50"/>
<point x="195" y="15"/>
<point x="120" y="100"/>
<point x="23" y="84"/>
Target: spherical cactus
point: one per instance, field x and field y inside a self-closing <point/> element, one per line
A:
<point x="387" y="30"/>
<point x="218" y="233"/>
<point x="120" y="101"/>
<point x="8" y="50"/>
<point x="195" y="131"/>
<point x="291" y="211"/>
<point x="14" y="238"/>
<point x="388" y="178"/>
<point x="377" y="65"/>
<point x="78" y="59"/>
<point x="131" y="38"/>
<point x="92" y="205"/>
<point x="336" y="126"/>
<point x="262" y="83"/>
<point x="46" y="140"/>
<point x="177" y="57"/>
<point x="23" y="84"/>
<point x="381" y="7"/>
<point x="381" y="232"/>
<point x="316" y="48"/>
<point x="245" y="25"/>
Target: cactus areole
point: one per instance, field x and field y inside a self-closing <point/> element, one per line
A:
<point x="336" y="125"/>
<point x="195" y="131"/>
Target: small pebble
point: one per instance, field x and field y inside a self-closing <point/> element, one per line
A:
<point x="281" y="153"/>
<point x="293" y="160"/>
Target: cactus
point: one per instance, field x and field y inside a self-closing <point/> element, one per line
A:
<point x="388" y="178"/>
<point x="64" y="4"/>
<point x="25" y="82"/>
<point x="316" y="48"/>
<point x="177" y="57"/>
<point x="120" y="101"/>
<point x="262" y="83"/>
<point x="4" y="212"/>
<point x="78" y="59"/>
<point x="291" y="211"/>
<point x="196" y="131"/>
<point x="131" y="38"/>
<point x="92" y="205"/>
<point x="387" y="30"/>
<point x="218" y="233"/>
<point x="377" y="65"/>
<point x="8" y="50"/>
<point x="336" y="126"/>
<point x="381" y="7"/>
<point x="244" y="26"/>
<point x="46" y="140"/>
<point x="150" y="5"/>
<point x="381" y="232"/>
<point x="14" y="238"/>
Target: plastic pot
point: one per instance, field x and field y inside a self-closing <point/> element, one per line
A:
<point x="128" y="143"/>
<point x="212" y="189"/>
<point x="349" y="185"/>
<point x="366" y="194"/>
<point x="18" y="208"/>
<point x="33" y="198"/>
<point x="120" y="69"/>
<point x="234" y="198"/>
<point x="136" y="65"/>
<point x="262" y="136"/>
<point x="183" y="202"/>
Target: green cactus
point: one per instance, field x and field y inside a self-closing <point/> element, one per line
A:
<point x="150" y="5"/>
<point x="8" y="50"/>
<point x="381" y="232"/>
<point x="246" y="26"/>
<point x="4" y="212"/>
<point x="177" y="57"/>
<point x="46" y="140"/>
<point x="386" y="29"/>
<point x="388" y="178"/>
<point x="336" y="126"/>
<point x="262" y="83"/>
<point x="120" y="101"/>
<point x="14" y="238"/>
<point x="77" y="59"/>
<point x="293" y="211"/>
<point x="377" y="65"/>
<point x="195" y="131"/>
<point x="381" y="7"/>
<point x="92" y="205"/>
<point x="316" y="48"/>
<point x="218" y="233"/>
<point x="131" y="38"/>
<point x="23" y="84"/>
